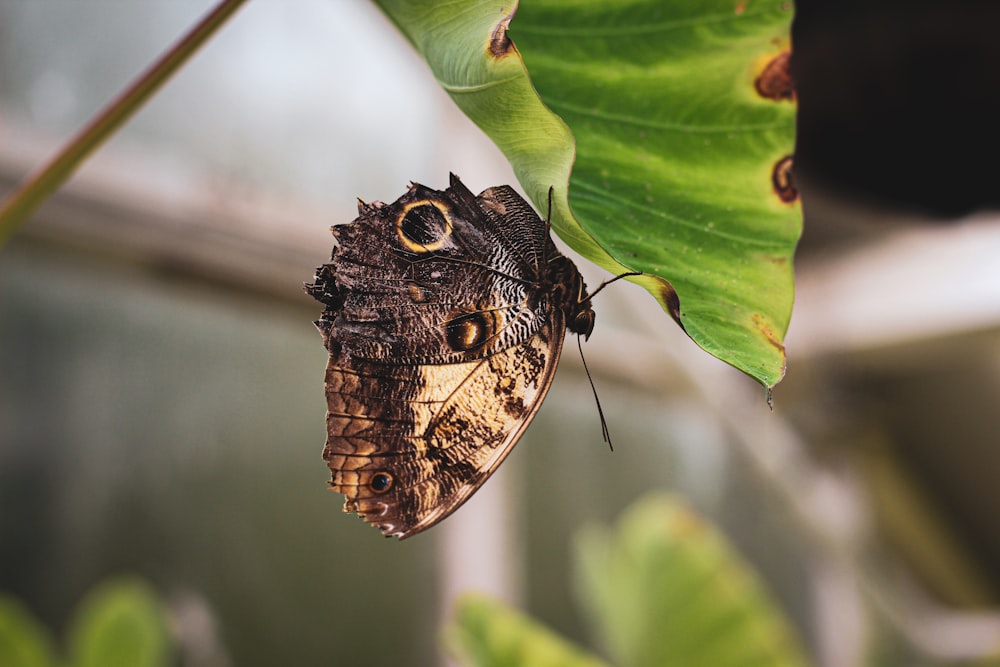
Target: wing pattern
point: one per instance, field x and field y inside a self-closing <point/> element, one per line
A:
<point x="445" y="316"/>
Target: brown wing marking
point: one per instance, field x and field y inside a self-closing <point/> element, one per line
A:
<point x="437" y="431"/>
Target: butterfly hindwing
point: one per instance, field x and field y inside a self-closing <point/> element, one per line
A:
<point x="433" y="436"/>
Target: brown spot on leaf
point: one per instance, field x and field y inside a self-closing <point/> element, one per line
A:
<point x="500" y="44"/>
<point x="668" y="295"/>
<point x="764" y="327"/>
<point x="775" y="80"/>
<point x="782" y="181"/>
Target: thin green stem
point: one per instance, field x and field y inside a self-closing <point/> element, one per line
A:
<point x="35" y="189"/>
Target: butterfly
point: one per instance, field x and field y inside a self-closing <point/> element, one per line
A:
<point x="444" y="318"/>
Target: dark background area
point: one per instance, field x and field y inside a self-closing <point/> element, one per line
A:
<point x="899" y="102"/>
<point x="899" y="126"/>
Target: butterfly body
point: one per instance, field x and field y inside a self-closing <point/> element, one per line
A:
<point x="445" y="317"/>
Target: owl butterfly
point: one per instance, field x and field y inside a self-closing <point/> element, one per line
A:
<point x="445" y="316"/>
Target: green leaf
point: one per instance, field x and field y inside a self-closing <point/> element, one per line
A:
<point x="665" y="589"/>
<point x="661" y="155"/>
<point x="23" y="640"/>
<point x="487" y="633"/>
<point x="119" y="624"/>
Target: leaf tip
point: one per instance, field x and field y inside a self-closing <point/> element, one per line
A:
<point x="667" y="296"/>
<point x="767" y="330"/>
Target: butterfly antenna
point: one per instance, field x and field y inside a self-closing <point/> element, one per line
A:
<point x="611" y="280"/>
<point x="605" y="433"/>
<point x="548" y="227"/>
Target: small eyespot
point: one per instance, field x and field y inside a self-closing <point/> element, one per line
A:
<point x="466" y="332"/>
<point x="380" y="482"/>
<point x="424" y="226"/>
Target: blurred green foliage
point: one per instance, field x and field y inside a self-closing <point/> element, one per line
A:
<point x="120" y="623"/>
<point x="661" y="589"/>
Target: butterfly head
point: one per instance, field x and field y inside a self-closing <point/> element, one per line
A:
<point x="569" y="294"/>
<point x="583" y="322"/>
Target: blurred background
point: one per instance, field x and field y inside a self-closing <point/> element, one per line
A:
<point x="161" y="401"/>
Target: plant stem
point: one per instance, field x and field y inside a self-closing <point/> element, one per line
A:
<point x="34" y="190"/>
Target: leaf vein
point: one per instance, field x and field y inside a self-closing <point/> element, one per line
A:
<point x="628" y="30"/>
<point x="660" y="213"/>
<point x="660" y="125"/>
<point x="459" y="89"/>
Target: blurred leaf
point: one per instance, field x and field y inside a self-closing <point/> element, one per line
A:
<point x="670" y="149"/>
<point x="665" y="589"/>
<point x="488" y="633"/>
<point x="119" y="624"/>
<point x="24" y="642"/>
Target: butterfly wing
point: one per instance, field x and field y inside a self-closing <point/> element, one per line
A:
<point x="430" y="278"/>
<point x="409" y="444"/>
<point x="442" y="347"/>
